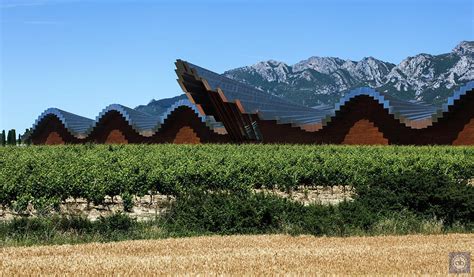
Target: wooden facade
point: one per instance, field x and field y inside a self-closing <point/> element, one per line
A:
<point x="361" y="120"/>
<point x="51" y="131"/>
<point x="182" y="126"/>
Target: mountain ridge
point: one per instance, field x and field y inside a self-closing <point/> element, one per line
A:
<point x="324" y="80"/>
<point x="319" y="81"/>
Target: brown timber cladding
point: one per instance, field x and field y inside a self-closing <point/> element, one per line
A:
<point x="361" y="121"/>
<point x="182" y="126"/>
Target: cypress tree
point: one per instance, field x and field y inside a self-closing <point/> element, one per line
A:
<point x="3" y="138"/>
<point x="11" y="137"/>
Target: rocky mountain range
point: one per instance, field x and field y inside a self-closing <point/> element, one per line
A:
<point x="324" y="80"/>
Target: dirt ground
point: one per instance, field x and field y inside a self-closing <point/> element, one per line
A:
<point x="250" y="255"/>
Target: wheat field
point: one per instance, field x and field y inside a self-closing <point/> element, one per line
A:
<point x="254" y="255"/>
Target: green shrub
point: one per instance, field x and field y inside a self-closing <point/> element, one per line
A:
<point x="200" y="212"/>
<point x="117" y="222"/>
<point x="227" y="213"/>
<point x="73" y="229"/>
<point x="127" y="200"/>
<point x="79" y="224"/>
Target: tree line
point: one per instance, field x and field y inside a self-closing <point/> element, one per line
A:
<point x="12" y="139"/>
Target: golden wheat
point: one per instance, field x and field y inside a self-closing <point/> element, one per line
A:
<point x="254" y="255"/>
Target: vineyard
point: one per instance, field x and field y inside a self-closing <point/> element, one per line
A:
<point x="430" y="182"/>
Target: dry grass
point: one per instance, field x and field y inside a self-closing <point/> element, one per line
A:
<point x="267" y="254"/>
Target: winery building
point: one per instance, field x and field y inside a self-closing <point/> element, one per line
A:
<point x="222" y="110"/>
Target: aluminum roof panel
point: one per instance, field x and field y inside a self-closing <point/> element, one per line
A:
<point x="76" y="125"/>
<point x="270" y="107"/>
<point x="143" y="123"/>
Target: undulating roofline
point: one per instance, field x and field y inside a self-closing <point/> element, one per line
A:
<point x="224" y="110"/>
<point x="144" y="124"/>
<point x="250" y="114"/>
<point x="76" y="125"/>
<point x="270" y="107"/>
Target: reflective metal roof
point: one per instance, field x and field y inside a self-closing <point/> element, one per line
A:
<point x="209" y="120"/>
<point x="452" y="99"/>
<point x="77" y="125"/>
<point x="143" y="123"/>
<point x="404" y="111"/>
<point x="270" y="107"/>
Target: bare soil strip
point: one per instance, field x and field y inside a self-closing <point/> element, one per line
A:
<point x="264" y="254"/>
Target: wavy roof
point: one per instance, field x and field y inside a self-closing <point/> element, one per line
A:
<point x="76" y="125"/>
<point x="209" y="120"/>
<point x="143" y="123"/>
<point x="405" y="111"/>
<point x="415" y="115"/>
<point x="457" y="95"/>
<point x="269" y="107"/>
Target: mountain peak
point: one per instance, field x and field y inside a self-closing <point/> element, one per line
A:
<point x="275" y="62"/>
<point x="267" y="64"/>
<point x="324" y="65"/>
<point x="271" y="71"/>
<point x="322" y="80"/>
<point x="464" y="48"/>
<point x="371" y="59"/>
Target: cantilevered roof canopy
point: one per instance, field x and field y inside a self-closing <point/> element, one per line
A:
<point x="268" y="106"/>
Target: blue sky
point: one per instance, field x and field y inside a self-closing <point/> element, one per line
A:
<point x="81" y="55"/>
